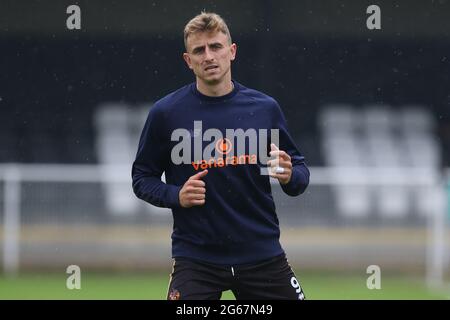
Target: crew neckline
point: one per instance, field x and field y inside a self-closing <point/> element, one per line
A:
<point x="228" y="96"/>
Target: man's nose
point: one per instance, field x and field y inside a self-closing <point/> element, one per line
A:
<point x="208" y="54"/>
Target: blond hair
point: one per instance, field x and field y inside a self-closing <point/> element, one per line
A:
<point x="206" y="22"/>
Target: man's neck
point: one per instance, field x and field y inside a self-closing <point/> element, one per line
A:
<point x="217" y="90"/>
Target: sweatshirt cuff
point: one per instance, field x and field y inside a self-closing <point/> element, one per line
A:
<point x="174" y="196"/>
<point x="296" y="185"/>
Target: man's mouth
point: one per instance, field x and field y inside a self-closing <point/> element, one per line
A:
<point x="211" y="67"/>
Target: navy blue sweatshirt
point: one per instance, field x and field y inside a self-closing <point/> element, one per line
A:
<point x="238" y="222"/>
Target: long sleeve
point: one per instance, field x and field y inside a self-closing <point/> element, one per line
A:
<point x="300" y="173"/>
<point x="152" y="159"/>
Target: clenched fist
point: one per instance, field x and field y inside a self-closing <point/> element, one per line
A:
<point x="281" y="166"/>
<point x="193" y="191"/>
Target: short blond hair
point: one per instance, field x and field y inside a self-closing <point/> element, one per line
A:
<point x="206" y="22"/>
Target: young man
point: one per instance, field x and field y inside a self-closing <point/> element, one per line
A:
<point x="225" y="232"/>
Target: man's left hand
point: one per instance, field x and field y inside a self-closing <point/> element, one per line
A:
<point x="281" y="166"/>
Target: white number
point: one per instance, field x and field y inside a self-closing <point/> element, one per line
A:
<point x="298" y="288"/>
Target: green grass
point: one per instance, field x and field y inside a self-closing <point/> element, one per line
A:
<point x="154" y="287"/>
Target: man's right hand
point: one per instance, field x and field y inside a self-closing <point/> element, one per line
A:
<point x="193" y="191"/>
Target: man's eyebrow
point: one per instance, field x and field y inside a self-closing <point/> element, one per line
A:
<point x="214" y="44"/>
<point x="198" y="48"/>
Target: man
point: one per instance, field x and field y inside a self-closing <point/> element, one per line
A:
<point x="226" y="232"/>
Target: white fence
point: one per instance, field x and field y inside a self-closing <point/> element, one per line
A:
<point x="384" y="197"/>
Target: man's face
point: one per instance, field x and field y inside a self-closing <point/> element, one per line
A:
<point x="209" y="56"/>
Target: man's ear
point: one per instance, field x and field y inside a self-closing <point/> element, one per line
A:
<point x="233" y="49"/>
<point x="187" y="58"/>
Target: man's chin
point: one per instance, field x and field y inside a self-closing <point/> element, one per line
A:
<point x="212" y="80"/>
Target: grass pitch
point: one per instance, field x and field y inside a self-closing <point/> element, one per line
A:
<point x="153" y="286"/>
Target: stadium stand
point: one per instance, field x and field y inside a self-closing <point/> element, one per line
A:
<point x="379" y="137"/>
<point x="53" y="120"/>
